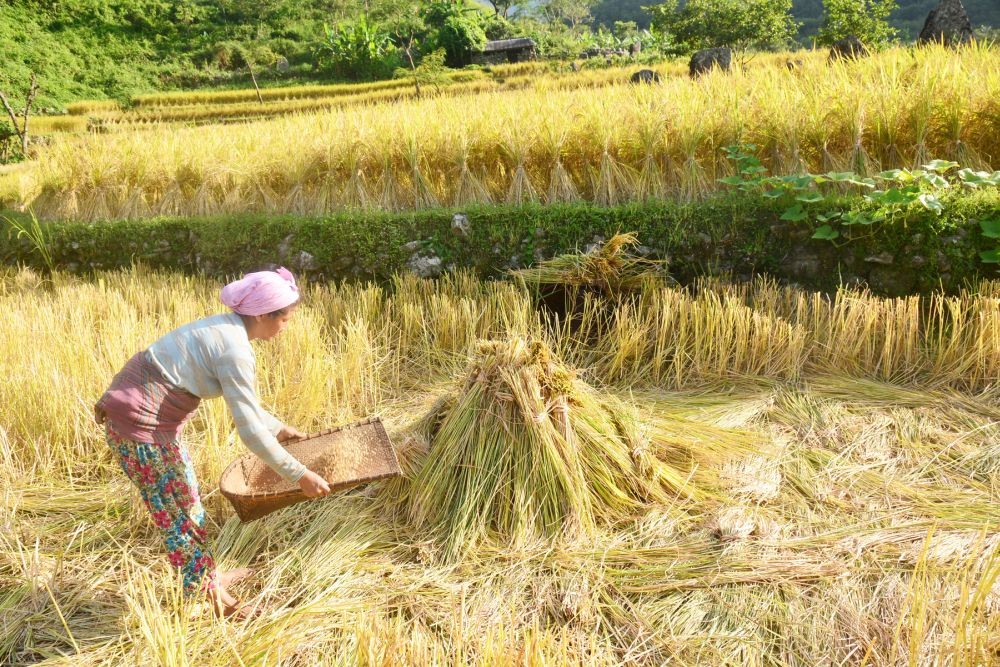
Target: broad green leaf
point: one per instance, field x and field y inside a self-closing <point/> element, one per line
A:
<point x="810" y="197"/>
<point x="937" y="180"/>
<point x="974" y="179"/>
<point x="828" y="216"/>
<point x="841" y="176"/>
<point x="774" y="194"/>
<point x="859" y="218"/>
<point x="940" y="166"/>
<point x="826" y="233"/>
<point x="799" y="182"/>
<point x="734" y="151"/>
<point x="794" y="214"/>
<point x="732" y="180"/>
<point x="850" y="178"/>
<point x="931" y="203"/>
<point x="893" y="196"/>
<point x="991" y="228"/>
<point x="991" y="256"/>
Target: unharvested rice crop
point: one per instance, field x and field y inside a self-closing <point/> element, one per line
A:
<point x="93" y="107"/>
<point x="198" y="98"/>
<point x="852" y="517"/>
<point x="12" y="177"/>
<point x="234" y="106"/>
<point x="612" y="144"/>
<point x="207" y="113"/>
<point x="54" y="124"/>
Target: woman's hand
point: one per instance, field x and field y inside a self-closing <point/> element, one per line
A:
<point x="313" y="485"/>
<point x="99" y="415"/>
<point x="289" y="433"/>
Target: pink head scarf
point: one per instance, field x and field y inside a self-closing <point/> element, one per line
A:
<point x="261" y="292"/>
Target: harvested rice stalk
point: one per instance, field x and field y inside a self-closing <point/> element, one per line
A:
<point x="525" y="450"/>
<point x="608" y="269"/>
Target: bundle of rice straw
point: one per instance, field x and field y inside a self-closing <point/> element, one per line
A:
<point x="526" y="450"/>
<point x="609" y="269"/>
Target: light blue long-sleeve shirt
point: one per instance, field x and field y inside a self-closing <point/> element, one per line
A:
<point x="212" y="357"/>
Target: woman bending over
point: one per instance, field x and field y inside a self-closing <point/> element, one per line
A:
<point x="157" y="391"/>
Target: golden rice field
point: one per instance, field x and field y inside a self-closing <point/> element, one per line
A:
<point x="551" y="142"/>
<point x="814" y="480"/>
<point x="236" y="111"/>
<point x="204" y="107"/>
<point x="55" y="124"/>
<point x="172" y="109"/>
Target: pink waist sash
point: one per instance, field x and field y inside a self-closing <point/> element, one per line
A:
<point x="143" y="406"/>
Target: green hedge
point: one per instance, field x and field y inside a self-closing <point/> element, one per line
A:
<point x="732" y="234"/>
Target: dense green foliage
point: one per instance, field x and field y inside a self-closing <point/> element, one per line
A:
<point x="95" y="49"/>
<point x="359" y="49"/>
<point x="456" y="28"/>
<point x="739" y="233"/>
<point x="814" y="197"/>
<point x="741" y="24"/>
<point x="865" y="19"/>
<point x="908" y="18"/>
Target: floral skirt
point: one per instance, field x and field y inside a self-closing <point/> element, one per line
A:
<point x="165" y="478"/>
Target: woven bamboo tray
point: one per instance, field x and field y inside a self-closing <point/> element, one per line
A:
<point x="344" y="456"/>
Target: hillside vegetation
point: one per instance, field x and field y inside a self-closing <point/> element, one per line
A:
<point x="92" y="49"/>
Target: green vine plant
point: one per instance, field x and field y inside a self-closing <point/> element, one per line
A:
<point x="36" y="235"/>
<point x="808" y="197"/>
<point x="991" y="230"/>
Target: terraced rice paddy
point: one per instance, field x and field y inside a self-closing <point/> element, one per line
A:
<point x="561" y="139"/>
<point x="230" y="106"/>
<point x="834" y="465"/>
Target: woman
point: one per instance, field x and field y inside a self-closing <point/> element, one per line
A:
<point x="151" y="398"/>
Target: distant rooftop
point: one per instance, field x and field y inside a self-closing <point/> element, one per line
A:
<point x="508" y="44"/>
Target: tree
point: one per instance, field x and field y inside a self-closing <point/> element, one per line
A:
<point x="608" y="12"/>
<point x="21" y="132"/>
<point x="502" y="7"/>
<point x="497" y="27"/>
<point x="553" y="39"/>
<point x="458" y="29"/>
<point x="570" y="12"/>
<point x="625" y="31"/>
<point x="409" y="33"/>
<point x="865" y="19"/>
<point x="431" y="72"/>
<point x="738" y="24"/>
